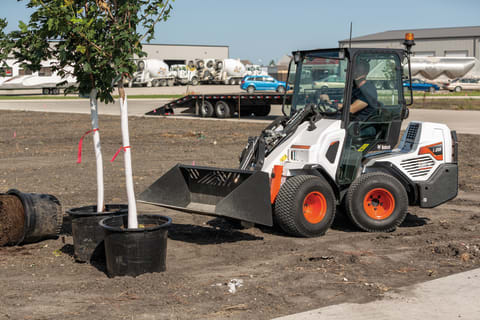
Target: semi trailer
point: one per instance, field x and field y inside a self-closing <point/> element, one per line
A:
<point x="46" y="79"/>
<point x="224" y="105"/>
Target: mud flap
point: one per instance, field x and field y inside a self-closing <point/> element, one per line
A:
<point x="232" y="193"/>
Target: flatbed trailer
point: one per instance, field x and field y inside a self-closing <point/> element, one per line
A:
<point x="225" y="105"/>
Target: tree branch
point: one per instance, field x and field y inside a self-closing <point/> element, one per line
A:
<point x="153" y="25"/>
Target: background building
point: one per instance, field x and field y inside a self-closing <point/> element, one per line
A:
<point x="179" y="53"/>
<point x="437" y="42"/>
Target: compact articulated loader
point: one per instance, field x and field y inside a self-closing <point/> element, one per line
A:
<point x="334" y="146"/>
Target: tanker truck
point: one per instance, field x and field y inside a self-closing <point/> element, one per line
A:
<point x="184" y="74"/>
<point x="255" y="70"/>
<point x="441" y="69"/>
<point x="152" y="73"/>
<point x="229" y="71"/>
<point x="205" y="70"/>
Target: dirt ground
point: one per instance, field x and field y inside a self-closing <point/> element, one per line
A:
<point x="279" y="274"/>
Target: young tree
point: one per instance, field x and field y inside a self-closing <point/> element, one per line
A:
<point x="6" y="45"/>
<point x="98" y="40"/>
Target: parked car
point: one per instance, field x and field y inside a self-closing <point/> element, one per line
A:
<point x="262" y="83"/>
<point x="332" y="81"/>
<point x="420" y="85"/>
<point x="458" y="85"/>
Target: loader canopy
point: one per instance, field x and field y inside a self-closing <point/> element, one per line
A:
<point x="319" y="74"/>
<point x="333" y="81"/>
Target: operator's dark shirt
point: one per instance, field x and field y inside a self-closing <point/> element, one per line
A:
<point x="368" y="94"/>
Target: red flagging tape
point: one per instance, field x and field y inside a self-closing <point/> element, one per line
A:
<point x="118" y="151"/>
<point x="80" y="143"/>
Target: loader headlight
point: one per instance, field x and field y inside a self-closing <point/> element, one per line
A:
<point x="299" y="153"/>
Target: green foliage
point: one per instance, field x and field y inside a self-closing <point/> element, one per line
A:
<point x="5" y="47"/>
<point x="95" y="40"/>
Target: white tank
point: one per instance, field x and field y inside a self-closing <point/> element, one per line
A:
<point x="232" y="67"/>
<point x="435" y="68"/>
<point x="154" y="67"/>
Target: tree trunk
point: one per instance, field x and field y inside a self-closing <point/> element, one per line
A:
<point x="98" y="150"/>
<point x="132" y="206"/>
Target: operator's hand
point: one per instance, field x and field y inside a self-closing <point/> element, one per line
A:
<point x="324" y="97"/>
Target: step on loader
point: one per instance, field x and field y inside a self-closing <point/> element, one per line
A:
<point x="338" y="143"/>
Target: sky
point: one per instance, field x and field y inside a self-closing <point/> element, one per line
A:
<point x="265" y="30"/>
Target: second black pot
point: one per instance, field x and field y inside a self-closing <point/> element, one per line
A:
<point x="87" y="234"/>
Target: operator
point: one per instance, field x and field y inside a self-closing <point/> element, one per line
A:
<point x="364" y="94"/>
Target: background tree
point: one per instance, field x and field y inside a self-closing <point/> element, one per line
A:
<point x="96" y="41"/>
<point x="6" y="45"/>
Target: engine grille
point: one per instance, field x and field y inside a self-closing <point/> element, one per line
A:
<point x="412" y="131"/>
<point x="418" y="167"/>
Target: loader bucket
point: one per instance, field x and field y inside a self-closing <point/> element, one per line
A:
<point x="232" y="193"/>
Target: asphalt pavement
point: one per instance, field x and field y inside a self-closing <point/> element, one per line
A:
<point x="463" y="121"/>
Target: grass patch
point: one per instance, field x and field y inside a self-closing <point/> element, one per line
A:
<point x="444" y="104"/>
<point x="446" y="94"/>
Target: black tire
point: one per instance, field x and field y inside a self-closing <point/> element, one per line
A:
<point x="194" y="81"/>
<point x="155" y="83"/>
<point x="377" y="202"/>
<point x="250" y="89"/>
<point x="222" y="109"/>
<point x="431" y="89"/>
<point x="231" y="82"/>
<point x="170" y="83"/>
<point x="262" y="111"/>
<point x="458" y="89"/>
<point x="291" y="211"/>
<point x="281" y="89"/>
<point x="45" y="91"/>
<point x="162" y="82"/>
<point x="206" y="110"/>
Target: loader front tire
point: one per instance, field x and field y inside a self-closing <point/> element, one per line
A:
<point x="305" y="206"/>
<point x="377" y="202"/>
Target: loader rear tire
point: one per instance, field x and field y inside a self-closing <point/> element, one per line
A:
<point x="305" y="206"/>
<point x="206" y="109"/>
<point x="377" y="202"/>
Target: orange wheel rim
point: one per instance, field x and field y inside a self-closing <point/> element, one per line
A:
<point x="314" y="207"/>
<point x="379" y="204"/>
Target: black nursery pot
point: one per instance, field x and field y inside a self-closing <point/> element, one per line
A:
<point x="43" y="216"/>
<point x="132" y="252"/>
<point x="87" y="233"/>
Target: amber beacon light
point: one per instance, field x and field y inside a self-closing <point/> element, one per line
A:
<point x="409" y="42"/>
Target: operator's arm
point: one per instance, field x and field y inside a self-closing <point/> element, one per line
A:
<point x="357" y="105"/>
